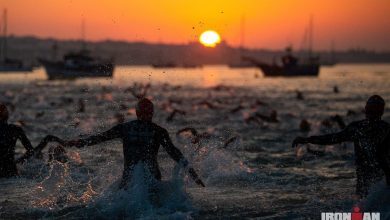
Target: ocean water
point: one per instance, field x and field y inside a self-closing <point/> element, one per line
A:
<point x="248" y="166"/>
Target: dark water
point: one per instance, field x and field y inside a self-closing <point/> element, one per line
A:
<point x="256" y="175"/>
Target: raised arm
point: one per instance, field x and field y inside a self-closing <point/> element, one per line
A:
<point x="98" y="138"/>
<point x="327" y="139"/>
<point x="178" y="157"/>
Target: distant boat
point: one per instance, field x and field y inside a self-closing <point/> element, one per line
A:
<point x="241" y="64"/>
<point x="291" y="66"/>
<point x="164" y="65"/>
<point x="286" y="70"/>
<point x="8" y="64"/>
<point x="190" y="65"/>
<point x="77" y="65"/>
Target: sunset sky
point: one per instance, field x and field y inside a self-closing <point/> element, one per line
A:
<point x="271" y="24"/>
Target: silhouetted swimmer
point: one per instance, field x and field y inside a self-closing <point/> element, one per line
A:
<point x="81" y="106"/>
<point x="305" y="126"/>
<point x="141" y="141"/>
<point x="174" y="113"/>
<point x="339" y="120"/>
<point x="371" y="138"/>
<point x="229" y="141"/>
<point x="336" y="89"/>
<point x="237" y="109"/>
<point x="139" y="91"/>
<point x="9" y="134"/>
<point x="272" y="118"/>
<point x="351" y="112"/>
<point x="299" y="95"/>
<point x="207" y="104"/>
<point x="196" y="136"/>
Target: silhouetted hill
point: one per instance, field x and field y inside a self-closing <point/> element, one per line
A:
<point x="138" y="53"/>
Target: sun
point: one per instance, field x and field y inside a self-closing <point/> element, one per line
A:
<point x="210" y="38"/>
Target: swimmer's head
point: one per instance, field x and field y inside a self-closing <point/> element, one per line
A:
<point x="144" y="110"/>
<point x="375" y="107"/>
<point x="3" y="113"/>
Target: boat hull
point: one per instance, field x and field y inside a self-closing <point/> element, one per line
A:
<point x="57" y="70"/>
<point x="293" y="71"/>
<point x="15" y="68"/>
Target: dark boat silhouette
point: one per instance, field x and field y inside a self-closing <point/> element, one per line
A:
<point x="13" y="65"/>
<point x="77" y="65"/>
<point x="290" y="67"/>
<point x="7" y="64"/>
<point x="164" y="65"/>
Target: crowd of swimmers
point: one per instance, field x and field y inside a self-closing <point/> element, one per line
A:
<point x="142" y="139"/>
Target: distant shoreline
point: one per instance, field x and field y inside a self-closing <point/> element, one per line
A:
<point x="29" y="49"/>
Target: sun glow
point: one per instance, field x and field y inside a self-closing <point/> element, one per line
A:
<point x="209" y="38"/>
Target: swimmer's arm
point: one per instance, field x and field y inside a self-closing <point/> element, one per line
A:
<point x="173" y="152"/>
<point x="98" y="138"/>
<point x="38" y="149"/>
<point x="46" y="140"/>
<point x="25" y="141"/>
<point x="383" y="156"/>
<point x="178" y="157"/>
<point x="328" y="139"/>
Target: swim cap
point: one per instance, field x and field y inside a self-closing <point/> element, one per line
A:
<point x="375" y="106"/>
<point x="3" y="112"/>
<point x="145" y="109"/>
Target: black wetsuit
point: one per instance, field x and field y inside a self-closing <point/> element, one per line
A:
<point x="372" y="143"/>
<point x="9" y="134"/>
<point x="141" y="142"/>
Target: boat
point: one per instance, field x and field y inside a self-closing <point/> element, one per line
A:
<point x="291" y="66"/>
<point x="164" y="65"/>
<point x="8" y="64"/>
<point x="77" y="65"/>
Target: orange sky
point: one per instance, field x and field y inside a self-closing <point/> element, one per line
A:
<point x="268" y="23"/>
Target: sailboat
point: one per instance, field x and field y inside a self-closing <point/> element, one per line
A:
<point x="78" y="64"/>
<point x="8" y="64"/>
<point x="291" y="66"/>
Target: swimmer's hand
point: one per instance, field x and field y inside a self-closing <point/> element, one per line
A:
<point x="195" y="177"/>
<point x="299" y="140"/>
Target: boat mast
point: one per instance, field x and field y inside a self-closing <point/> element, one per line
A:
<point x="83" y="43"/>
<point x="311" y="31"/>
<point x="242" y="32"/>
<point x="4" y="37"/>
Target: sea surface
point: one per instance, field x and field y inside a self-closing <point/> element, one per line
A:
<point x="246" y="162"/>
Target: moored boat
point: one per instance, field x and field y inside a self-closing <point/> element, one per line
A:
<point x="77" y="65"/>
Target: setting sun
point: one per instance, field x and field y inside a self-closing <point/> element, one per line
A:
<point x="210" y="38"/>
